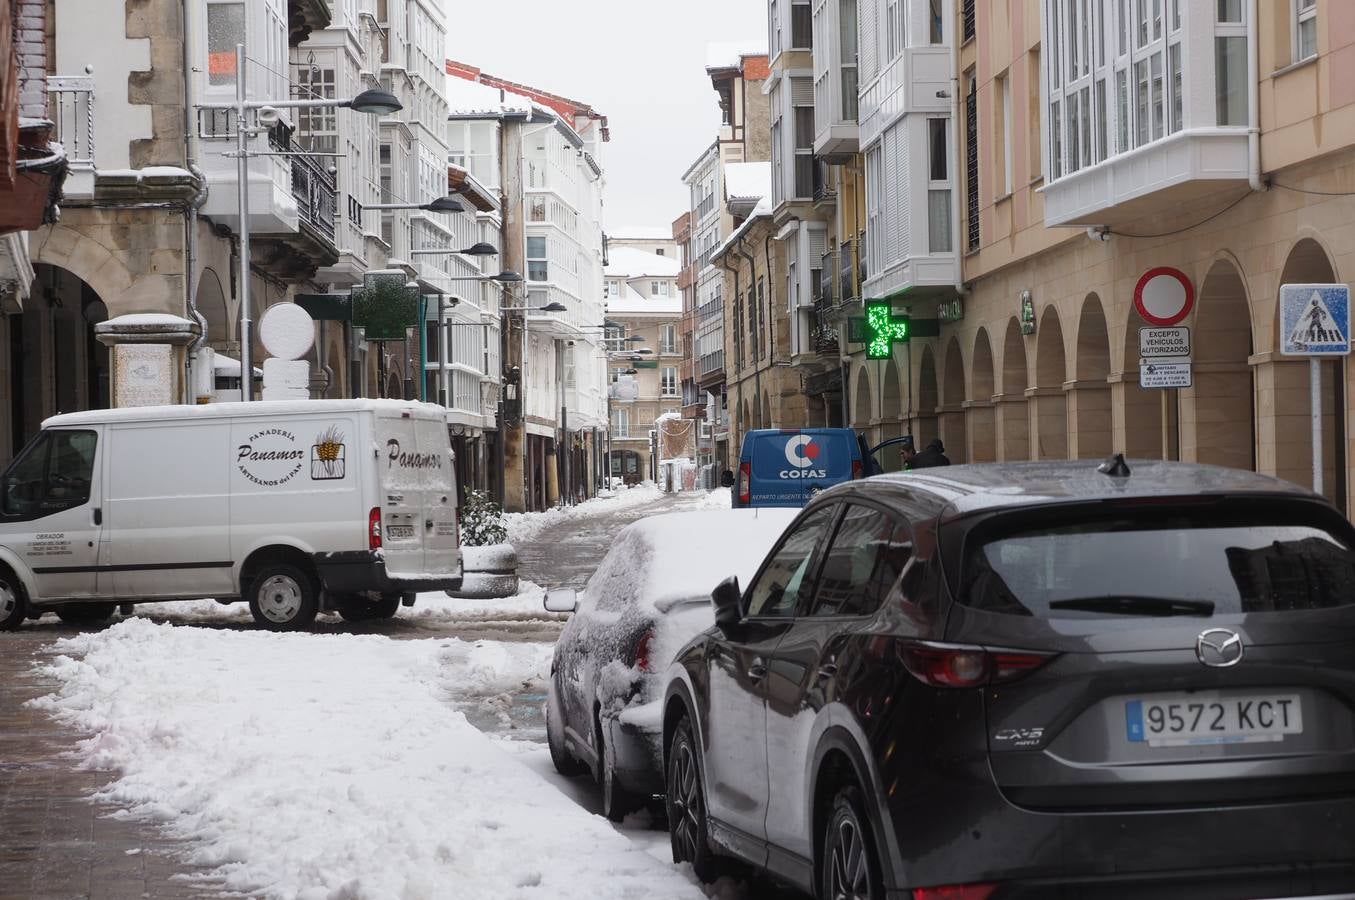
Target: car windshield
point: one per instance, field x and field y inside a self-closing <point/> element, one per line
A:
<point x="1125" y="562"/>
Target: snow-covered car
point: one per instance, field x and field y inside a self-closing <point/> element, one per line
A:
<point x="648" y="597"/>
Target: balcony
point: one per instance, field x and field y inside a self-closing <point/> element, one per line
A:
<point x="918" y="80"/>
<point x="836" y="133"/>
<point x="823" y="334"/>
<point x="1158" y="176"/>
<point x="70" y="104"/>
<point x="846" y="273"/>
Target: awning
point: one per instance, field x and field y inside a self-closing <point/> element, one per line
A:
<point x="225" y="367"/>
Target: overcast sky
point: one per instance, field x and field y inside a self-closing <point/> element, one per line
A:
<point x="641" y="64"/>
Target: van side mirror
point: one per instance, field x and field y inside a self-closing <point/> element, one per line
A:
<point x="728" y="602"/>
<point x="561" y="600"/>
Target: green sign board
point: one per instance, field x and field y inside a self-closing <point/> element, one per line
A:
<point x="327" y="307"/>
<point x="884" y="330"/>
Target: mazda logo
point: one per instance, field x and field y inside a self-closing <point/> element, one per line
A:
<point x="1219" y="648"/>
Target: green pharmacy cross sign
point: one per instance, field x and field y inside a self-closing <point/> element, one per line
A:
<point x="884" y="330"/>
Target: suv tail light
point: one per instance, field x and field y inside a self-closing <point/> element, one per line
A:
<point x="640" y="658"/>
<point x="374" y="529"/>
<point x="745" y="482"/>
<point x="955" y="892"/>
<point x="962" y="666"/>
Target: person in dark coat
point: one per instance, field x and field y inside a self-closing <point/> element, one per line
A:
<point x="933" y="455"/>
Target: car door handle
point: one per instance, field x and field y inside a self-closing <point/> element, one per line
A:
<point x="827" y="670"/>
<point x="428" y="523"/>
<point x="758" y="670"/>
<point x="98" y="516"/>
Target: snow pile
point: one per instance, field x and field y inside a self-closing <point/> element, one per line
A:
<point x="313" y="768"/>
<point x="525" y="526"/>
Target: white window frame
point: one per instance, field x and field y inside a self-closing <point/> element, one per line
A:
<point x="668" y="384"/>
<point x="1303" y="11"/>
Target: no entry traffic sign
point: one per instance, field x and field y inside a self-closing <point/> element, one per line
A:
<point x="1164" y="296"/>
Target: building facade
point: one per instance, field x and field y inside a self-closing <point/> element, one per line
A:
<point x="547" y="152"/>
<point x="644" y="316"/>
<point x="738" y="73"/>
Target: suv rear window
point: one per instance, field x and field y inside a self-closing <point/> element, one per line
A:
<point x="1248" y="558"/>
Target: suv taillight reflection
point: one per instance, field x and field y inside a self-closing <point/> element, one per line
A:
<point x="962" y="666"/>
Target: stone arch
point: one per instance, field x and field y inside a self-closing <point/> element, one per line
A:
<point x="928" y="400"/>
<point x="1050" y="401"/>
<point x="863" y="404"/>
<point x="982" y="425"/>
<point x="1090" y="398"/>
<point x="891" y="403"/>
<point x="88" y="260"/>
<point x="1218" y="411"/>
<point x="953" y="398"/>
<point x="211" y="300"/>
<point x="1013" y="411"/>
<point x="1142" y="408"/>
<point x="767" y="421"/>
<point x="744" y="424"/>
<point x="1307" y="263"/>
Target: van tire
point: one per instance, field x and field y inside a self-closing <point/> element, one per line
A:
<point x="13" y="603"/>
<point x="86" y="613"/>
<point x="282" y="597"/>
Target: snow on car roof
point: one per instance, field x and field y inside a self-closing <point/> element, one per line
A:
<point x="661" y="561"/>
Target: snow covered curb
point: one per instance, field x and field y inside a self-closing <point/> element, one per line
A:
<point x="324" y="767"/>
<point x="525" y="526"/>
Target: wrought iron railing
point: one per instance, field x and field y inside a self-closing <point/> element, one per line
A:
<point x="315" y="191"/>
<point x="70" y="100"/>
<point x="823" y="336"/>
<point x="846" y="270"/>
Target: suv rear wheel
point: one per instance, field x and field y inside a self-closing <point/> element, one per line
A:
<point x="851" y="866"/>
<point x="283" y="598"/>
<point x="685" y="804"/>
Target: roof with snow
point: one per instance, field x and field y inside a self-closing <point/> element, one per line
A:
<point x="763" y="210"/>
<point x="631" y="302"/>
<point x="571" y="111"/>
<point x="748" y="180"/>
<point x="471" y="98"/>
<point x="729" y="54"/>
<point x="630" y="262"/>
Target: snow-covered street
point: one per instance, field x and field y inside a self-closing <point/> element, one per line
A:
<point x="399" y="758"/>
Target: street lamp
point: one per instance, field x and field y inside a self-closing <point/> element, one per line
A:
<point x="372" y="102"/>
<point x="440" y="205"/>
<point x="478" y="249"/>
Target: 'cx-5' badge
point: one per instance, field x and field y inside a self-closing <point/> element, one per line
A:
<point x="1219" y="648"/>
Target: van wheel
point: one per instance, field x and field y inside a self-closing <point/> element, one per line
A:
<point x="386" y="607"/>
<point x="86" y="613"/>
<point x="283" y="598"/>
<point x="13" y="605"/>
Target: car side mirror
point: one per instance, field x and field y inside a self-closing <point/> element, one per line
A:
<point x="728" y="602"/>
<point x="561" y="600"/>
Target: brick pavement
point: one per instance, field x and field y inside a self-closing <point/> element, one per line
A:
<point x="56" y="844"/>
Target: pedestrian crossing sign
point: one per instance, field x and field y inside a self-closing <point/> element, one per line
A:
<point x="1315" y="320"/>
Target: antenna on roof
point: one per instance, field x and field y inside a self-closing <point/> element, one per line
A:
<point x="1115" y="467"/>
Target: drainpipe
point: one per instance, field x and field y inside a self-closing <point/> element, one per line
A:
<point x="792" y="313"/>
<point x="752" y="291"/>
<point x="190" y="216"/>
<point x="961" y="290"/>
<point x="1253" y="102"/>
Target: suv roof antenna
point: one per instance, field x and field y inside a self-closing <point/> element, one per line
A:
<point x="1115" y="467"/>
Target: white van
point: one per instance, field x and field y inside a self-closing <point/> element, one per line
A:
<point x="295" y="507"/>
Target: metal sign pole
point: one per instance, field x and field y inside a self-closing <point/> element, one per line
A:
<point x="1315" y="385"/>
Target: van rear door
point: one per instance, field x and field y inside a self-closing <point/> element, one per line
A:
<point x="790" y="466"/>
<point x="402" y="525"/>
<point x="418" y="487"/>
<point x="442" y="536"/>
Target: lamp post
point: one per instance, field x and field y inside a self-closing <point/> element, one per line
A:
<point x="370" y="102"/>
<point x="552" y="307"/>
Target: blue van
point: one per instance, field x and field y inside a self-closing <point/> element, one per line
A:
<point x="787" y="466"/>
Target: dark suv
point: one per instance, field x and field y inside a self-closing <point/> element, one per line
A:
<point x="1031" y="680"/>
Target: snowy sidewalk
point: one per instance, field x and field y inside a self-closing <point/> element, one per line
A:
<point x="315" y="767"/>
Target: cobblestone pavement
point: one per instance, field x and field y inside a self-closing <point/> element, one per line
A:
<point x="57" y="844"/>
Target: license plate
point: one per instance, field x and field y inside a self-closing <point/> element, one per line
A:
<point x="1181" y="720"/>
<point x="400" y="531"/>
